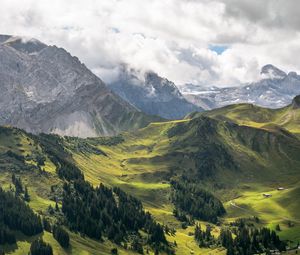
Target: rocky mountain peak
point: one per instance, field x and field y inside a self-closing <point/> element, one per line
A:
<point x="293" y="75"/>
<point x="23" y="44"/>
<point x="161" y="85"/>
<point x="296" y="102"/>
<point x="152" y="94"/>
<point x="272" y="72"/>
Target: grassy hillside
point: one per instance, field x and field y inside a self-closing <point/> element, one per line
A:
<point x="255" y="116"/>
<point x="23" y="162"/>
<point x="237" y="160"/>
<point x="246" y="162"/>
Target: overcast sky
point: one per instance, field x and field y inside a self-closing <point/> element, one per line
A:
<point x="222" y="42"/>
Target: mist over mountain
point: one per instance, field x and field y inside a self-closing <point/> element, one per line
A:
<point x="275" y="89"/>
<point x="152" y="94"/>
<point x="45" y="89"/>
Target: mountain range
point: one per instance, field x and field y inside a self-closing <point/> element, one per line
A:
<point x="275" y="89"/>
<point x="45" y="89"/>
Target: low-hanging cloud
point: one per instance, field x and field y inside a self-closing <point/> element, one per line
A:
<point x="172" y="37"/>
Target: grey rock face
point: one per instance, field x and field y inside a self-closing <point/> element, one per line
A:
<point x="152" y="94"/>
<point x="276" y="89"/>
<point x="45" y="89"/>
<point x="272" y="72"/>
<point x="296" y="102"/>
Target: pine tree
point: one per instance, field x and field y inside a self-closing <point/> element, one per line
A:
<point x="137" y="246"/>
<point x="61" y="236"/>
<point x="114" y="251"/>
<point x="56" y="207"/>
<point x="18" y="184"/>
<point x="26" y="195"/>
<point x="39" y="247"/>
<point x="46" y="225"/>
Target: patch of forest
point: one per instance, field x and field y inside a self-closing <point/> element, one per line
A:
<point x="111" y="213"/>
<point x="192" y="200"/>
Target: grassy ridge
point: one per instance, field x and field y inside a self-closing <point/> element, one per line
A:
<point x="255" y="116"/>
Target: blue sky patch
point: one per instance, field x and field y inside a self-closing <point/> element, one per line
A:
<point x="219" y="49"/>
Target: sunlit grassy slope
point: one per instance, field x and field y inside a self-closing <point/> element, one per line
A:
<point x="265" y="159"/>
<point x="255" y="116"/>
<point x="255" y="156"/>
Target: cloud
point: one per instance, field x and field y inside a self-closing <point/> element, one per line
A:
<point x="175" y="38"/>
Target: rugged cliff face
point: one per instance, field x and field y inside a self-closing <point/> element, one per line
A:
<point x="45" y="89"/>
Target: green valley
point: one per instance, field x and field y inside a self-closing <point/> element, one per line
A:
<point x="246" y="156"/>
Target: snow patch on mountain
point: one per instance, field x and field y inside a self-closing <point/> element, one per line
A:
<point x="275" y="89"/>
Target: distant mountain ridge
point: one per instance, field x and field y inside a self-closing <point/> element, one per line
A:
<point x="276" y="89"/>
<point x="45" y="89"/>
<point x="152" y="94"/>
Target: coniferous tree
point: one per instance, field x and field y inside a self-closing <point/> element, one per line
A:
<point x="26" y="195"/>
<point x="18" y="184"/>
<point x="6" y="235"/>
<point x="114" y="251"/>
<point x="137" y="246"/>
<point x="46" y="225"/>
<point x="39" y="247"/>
<point x="56" y="207"/>
<point x="61" y="236"/>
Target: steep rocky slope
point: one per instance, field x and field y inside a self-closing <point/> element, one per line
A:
<point x="45" y="89"/>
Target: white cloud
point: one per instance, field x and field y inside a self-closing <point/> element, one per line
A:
<point x="170" y="37"/>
